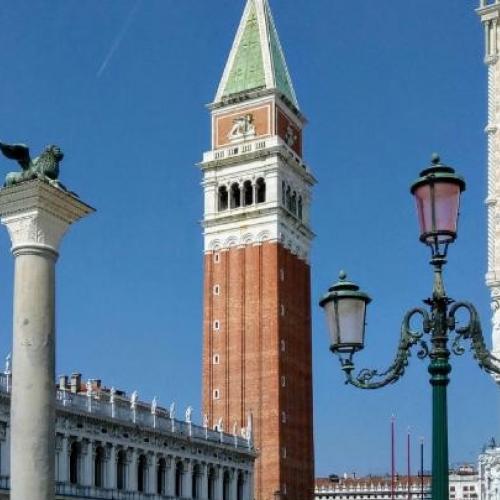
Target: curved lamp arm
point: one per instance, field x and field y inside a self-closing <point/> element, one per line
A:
<point x="373" y="379"/>
<point x="473" y="332"/>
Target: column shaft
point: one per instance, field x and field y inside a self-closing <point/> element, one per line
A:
<point x="36" y="215"/>
<point x="233" y="495"/>
<point x="171" y="477"/>
<point x="204" y="482"/>
<point x="219" y="484"/>
<point x="33" y="376"/>
<point x="88" y="464"/>
<point x="111" y="468"/>
<point x="151" y="474"/>
<point x="5" y="450"/>
<point x="187" y="480"/>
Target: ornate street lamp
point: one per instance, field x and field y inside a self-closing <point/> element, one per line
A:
<point x="437" y="194"/>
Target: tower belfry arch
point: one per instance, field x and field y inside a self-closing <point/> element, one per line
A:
<point x="257" y="360"/>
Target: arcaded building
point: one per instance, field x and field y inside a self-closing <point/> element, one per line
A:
<point x="110" y="445"/>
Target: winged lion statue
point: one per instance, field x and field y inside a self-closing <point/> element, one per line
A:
<point x="44" y="167"/>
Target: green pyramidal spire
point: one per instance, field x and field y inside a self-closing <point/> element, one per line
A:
<point x="256" y="60"/>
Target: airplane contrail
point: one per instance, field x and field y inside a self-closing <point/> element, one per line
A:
<point x="119" y="38"/>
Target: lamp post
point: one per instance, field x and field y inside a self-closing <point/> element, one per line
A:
<point x="437" y="195"/>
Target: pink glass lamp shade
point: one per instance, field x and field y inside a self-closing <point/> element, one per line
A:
<point x="437" y="195"/>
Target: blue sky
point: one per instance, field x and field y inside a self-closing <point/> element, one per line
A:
<point x="384" y="84"/>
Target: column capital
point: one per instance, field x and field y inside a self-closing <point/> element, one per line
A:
<point x="37" y="215"/>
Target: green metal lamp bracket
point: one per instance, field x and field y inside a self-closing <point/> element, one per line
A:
<point x="472" y="331"/>
<point x="373" y="379"/>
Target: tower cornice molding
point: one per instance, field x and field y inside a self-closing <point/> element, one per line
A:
<point x="255" y="95"/>
<point x="489" y="12"/>
<point x="281" y="150"/>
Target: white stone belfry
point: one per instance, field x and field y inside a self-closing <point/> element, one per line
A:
<point x="36" y="215"/>
<point x="489" y="11"/>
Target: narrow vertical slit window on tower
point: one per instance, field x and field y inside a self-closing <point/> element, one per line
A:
<point x="283" y="346"/>
<point x="216" y="289"/>
<point x="260" y="188"/>
<point x="216" y="394"/>
<point x="216" y="359"/>
<point x="283" y="417"/>
<point x="223" y="199"/>
<point x="216" y="325"/>
<point x="283" y="381"/>
<point x="216" y="257"/>
<point x="235" y="196"/>
<point x="247" y="193"/>
<point x="282" y="274"/>
<point x="282" y="310"/>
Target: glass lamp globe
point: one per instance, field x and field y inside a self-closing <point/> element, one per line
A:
<point x="345" y="309"/>
<point x="437" y="194"/>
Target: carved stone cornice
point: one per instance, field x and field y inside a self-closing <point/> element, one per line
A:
<point x="37" y="215"/>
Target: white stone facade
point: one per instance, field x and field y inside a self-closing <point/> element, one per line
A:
<point x="489" y="11"/>
<point x="464" y="483"/>
<point x="489" y="473"/>
<point x="109" y="446"/>
<point x="372" y="488"/>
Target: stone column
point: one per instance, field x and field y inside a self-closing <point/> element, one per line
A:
<point x="187" y="479"/>
<point x="132" y="457"/>
<point x="204" y="481"/>
<point x="64" y="461"/>
<point x="171" y="464"/>
<point x="219" y="483"/>
<point x="233" y="487"/>
<point x="88" y="456"/>
<point x="4" y="449"/>
<point x="36" y="215"/>
<point x="248" y="487"/>
<point x="111" y="464"/>
<point x="151" y="473"/>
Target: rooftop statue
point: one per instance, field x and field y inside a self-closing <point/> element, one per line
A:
<point x="44" y="167"/>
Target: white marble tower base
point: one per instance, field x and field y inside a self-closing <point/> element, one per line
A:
<point x="36" y="215"/>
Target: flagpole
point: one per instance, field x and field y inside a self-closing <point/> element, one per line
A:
<point x="408" y="448"/>
<point x="393" y="458"/>
<point x="422" y="468"/>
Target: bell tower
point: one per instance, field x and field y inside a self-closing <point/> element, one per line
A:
<point x="257" y="367"/>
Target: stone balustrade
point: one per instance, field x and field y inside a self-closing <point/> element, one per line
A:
<point x="122" y="412"/>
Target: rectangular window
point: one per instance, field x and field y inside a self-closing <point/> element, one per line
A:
<point x="216" y="289"/>
<point x="216" y="325"/>
<point x="216" y="257"/>
<point x="216" y="359"/>
<point x="216" y="394"/>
